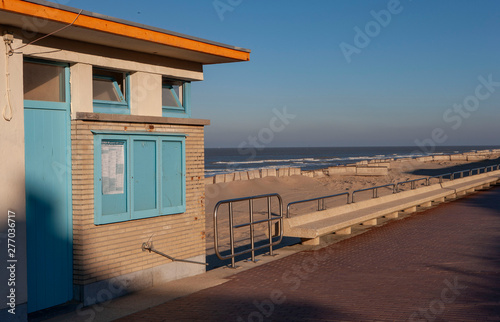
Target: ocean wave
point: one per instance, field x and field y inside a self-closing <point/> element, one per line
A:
<point x="270" y="161"/>
<point x="310" y="162"/>
<point x="315" y="161"/>
<point x="300" y="160"/>
<point x="304" y="161"/>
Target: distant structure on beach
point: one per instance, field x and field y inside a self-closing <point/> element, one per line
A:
<point x="102" y="161"/>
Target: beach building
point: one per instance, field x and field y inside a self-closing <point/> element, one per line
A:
<point x="99" y="155"/>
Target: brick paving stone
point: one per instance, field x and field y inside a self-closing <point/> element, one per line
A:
<point x="442" y="264"/>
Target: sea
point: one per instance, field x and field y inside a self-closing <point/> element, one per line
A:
<point x="227" y="160"/>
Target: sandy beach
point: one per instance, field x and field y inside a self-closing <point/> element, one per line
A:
<point x="298" y="187"/>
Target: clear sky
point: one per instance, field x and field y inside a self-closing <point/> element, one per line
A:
<point x="350" y="73"/>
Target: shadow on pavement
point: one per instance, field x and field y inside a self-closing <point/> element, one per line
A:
<point x="241" y="305"/>
<point x="214" y="262"/>
<point x="460" y="167"/>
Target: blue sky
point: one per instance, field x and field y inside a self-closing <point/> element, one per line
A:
<point x="352" y="73"/>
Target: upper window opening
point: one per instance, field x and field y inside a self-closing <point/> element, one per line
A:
<point x="172" y="94"/>
<point x="175" y="98"/>
<point x="108" y="85"/>
<point x="44" y="82"/>
<point x="109" y="91"/>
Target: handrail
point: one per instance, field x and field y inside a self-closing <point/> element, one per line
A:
<point x="270" y="218"/>
<point x="440" y="176"/>
<point x="412" y="182"/>
<point x="492" y="167"/>
<point x="148" y="246"/>
<point x="478" y="170"/>
<point x="375" y="190"/>
<point x="321" y="202"/>
<point x="321" y="205"/>
<point x="460" y="172"/>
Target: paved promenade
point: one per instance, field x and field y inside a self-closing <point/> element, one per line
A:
<point x="439" y="265"/>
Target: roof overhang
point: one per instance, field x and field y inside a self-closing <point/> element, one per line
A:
<point x="112" y="32"/>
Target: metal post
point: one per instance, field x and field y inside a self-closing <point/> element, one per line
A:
<point x="319" y="204"/>
<point x="270" y="225"/>
<point x="270" y="220"/>
<point x="251" y="229"/>
<point x="216" y="230"/>
<point x="231" y="234"/>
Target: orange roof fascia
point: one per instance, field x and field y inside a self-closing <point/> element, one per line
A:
<point x="111" y="27"/>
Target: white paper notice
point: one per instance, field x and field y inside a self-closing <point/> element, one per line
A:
<point x="113" y="167"/>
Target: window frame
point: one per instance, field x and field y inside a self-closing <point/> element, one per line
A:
<point x="61" y="105"/>
<point x="184" y="108"/>
<point x="112" y="107"/>
<point x="130" y="138"/>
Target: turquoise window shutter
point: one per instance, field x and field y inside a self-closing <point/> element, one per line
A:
<point x="138" y="175"/>
<point x="173" y="177"/>
<point x="144" y="178"/>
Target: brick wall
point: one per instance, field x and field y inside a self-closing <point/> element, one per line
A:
<point x="106" y="251"/>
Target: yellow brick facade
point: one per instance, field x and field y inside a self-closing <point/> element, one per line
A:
<point x="101" y="252"/>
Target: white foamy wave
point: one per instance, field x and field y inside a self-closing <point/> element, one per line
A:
<point x="271" y="161"/>
<point x="300" y="161"/>
<point x="411" y="155"/>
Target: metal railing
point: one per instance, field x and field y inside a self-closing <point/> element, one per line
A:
<point x="270" y="219"/>
<point x="395" y="187"/>
<point x="321" y="202"/>
<point x="375" y="190"/>
<point x="148" y="246"/>
<point x="492" y="167"/>
<point x="461" y="173"/>
<point x="412" y="183"/>
<point x="440" y="176"/>
<point x="478" y="170"/>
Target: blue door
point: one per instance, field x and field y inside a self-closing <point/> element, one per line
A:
<point x="48" y="179"/>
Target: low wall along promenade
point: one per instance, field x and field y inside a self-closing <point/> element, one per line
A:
<point x="376" y="167"/>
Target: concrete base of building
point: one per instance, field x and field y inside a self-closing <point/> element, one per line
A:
<point x="108" y="289"/>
